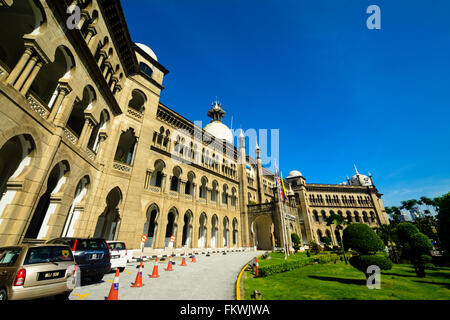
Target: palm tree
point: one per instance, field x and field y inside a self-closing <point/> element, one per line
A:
<point x="386" y="232"/>
<point x="339" y="224"/>
<point x="394" y="212"/>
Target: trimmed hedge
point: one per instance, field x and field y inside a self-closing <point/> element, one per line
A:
<point x="361" y="238"/>
<point x="362" y="262"/>
<point x="284" y="266"/>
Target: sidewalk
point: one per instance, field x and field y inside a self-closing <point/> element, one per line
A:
<point x="211" y="278"/>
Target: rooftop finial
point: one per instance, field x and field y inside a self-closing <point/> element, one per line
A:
<point x="356" y="170"/>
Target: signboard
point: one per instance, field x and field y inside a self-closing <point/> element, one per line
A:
<point x="172" y="240"/>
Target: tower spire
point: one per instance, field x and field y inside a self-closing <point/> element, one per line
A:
<point x="356" y="170"/>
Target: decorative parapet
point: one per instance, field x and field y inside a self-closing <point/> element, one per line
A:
<point x="135" y="114"/>
<point x="122" y="167"/>
<point x="187" y="197"/>
<point x="154" y="189"/>
<point x="202" y="200"/>
<point x="70" y="136"/>
<point x="91" y="154"/>
<point x="36" y="106"/>
<point x="173" y="194"/>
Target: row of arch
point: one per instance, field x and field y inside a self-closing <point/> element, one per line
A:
<point x="185" y="148"/>
<point x="159" y="174"/>
<point x="365" y="217"/>
<point x="209" y="230"/>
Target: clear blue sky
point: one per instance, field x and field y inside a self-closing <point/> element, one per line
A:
<point x="338" y="92"/>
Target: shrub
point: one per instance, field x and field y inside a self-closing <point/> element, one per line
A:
<point x="362" y="262"/>
<point x="405" y="230"/>
<point x="420" y="246"/>
<point x="284" y="266"/>
<point x="296" y="241"/>
<point x="362" y="238"/>
<point x="314" y="247"/>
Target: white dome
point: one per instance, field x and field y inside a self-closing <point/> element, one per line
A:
<point x="220" y="131"/>
<point x="294" y="174"/>
<point x="147" y="50"/>
<point x="360" y="180"/>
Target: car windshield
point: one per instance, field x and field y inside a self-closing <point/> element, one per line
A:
<point x="117" y="246"/>
<point x="8" y="256"/>
<point x="91" y="244"/>
<point x="48" y="254"/>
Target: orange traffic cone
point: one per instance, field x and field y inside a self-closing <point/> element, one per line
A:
<point x="114" y="292"/>
<point x="256" y="268"/>
<point x="138" y="283"/>
<point x="169" y="265"/>
<point x="155" y="270"/>
<point x="193" y="257"/>
<point x="183" y="262"/>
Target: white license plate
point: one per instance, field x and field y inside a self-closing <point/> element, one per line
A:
<point x="94" y="256"/>
<point x="115" y="257"/>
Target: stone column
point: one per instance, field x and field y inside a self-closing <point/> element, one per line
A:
<point x="103" y="56"/>
<point x="85" y="133"/>
<point x="31" y="78"/>
<point x="90" y="33"/>
<point x="64" y="90"/>
<point x="26" y="56"/>
<point x="102" y="137"/>
<point x="26" y="72"/>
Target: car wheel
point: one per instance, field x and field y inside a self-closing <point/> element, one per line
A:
<point x="121" y="269"/>
<point x="63" y="296"/>
<point x="3" y="295"/>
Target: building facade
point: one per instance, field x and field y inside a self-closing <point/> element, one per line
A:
<point x="88" y="150"/>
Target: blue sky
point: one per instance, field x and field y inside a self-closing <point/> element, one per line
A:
<point x="338" y="92"/>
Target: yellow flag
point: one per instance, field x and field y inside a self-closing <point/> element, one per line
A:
<point x="284" y="190"/>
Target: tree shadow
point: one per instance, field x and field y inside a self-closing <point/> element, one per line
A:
<point x="341" y="280"/>
<point x="436" y="283"/>
<point x="399" y="275"/>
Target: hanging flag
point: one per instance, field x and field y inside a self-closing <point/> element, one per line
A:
<point x="284" y="189"/>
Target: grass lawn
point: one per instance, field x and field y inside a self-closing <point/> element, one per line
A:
<point x="343" y="282"/>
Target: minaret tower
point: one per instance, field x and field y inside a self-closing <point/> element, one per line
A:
<point x="243" y="184"/>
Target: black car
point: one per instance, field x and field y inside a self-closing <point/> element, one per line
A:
<point x="93" y="256"/>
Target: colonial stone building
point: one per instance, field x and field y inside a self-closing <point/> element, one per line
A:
<point x="87" y="149"/>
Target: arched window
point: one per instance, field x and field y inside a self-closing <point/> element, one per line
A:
<point x="146" y="69"/>
<point x="76" y="119"/>
<point x="127" y="147"/>
<point x="137" y="101"/>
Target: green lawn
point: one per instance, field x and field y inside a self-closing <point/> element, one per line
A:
<point x="343" y="282"/>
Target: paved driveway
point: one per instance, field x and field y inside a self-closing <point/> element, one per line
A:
<point x="211" y="278"/>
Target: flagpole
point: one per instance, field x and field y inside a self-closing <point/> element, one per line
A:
<point x="281" y="210"/>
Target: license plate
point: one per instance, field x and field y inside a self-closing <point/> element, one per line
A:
<point x="115" y="257"/>
<point x="96" y="256"/>
<point x="51" y="275"/>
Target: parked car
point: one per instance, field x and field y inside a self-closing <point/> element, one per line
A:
<point x="119" y="256"/>
<point x="36" y="271"/>
<point x="91" y="255"/>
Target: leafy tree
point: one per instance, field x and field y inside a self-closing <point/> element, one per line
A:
<point x="387" y="234"/>
<point x="327" y="241"/>
<point x="366" y="243"/>
<point x="420" y="246"/>
<point x="415" y="246"/>
<point x="314" y="247"/>
<point x="394" y="213"/>
<point x="339" y="223"/>
<point x="296" y="241"/>
<point x="443" y="222"/>
<point x="361" y="238"/>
